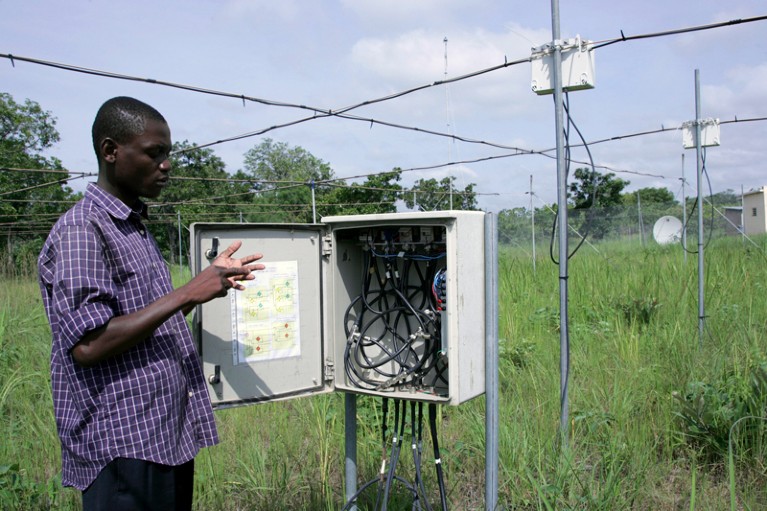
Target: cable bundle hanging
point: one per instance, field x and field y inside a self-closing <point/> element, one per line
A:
<point x="393" y="327"/>
<point x="387" y="475"/>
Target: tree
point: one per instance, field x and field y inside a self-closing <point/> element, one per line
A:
<point x="591" y="188"/>
<point x="377" y="194"/>
<point x="591" y="195"/>
<point x="284" y="176"/>
<point x="650" y="196"/>
<point x="25" y="130"/>
<point x="433" y="195"/>
<point x="514" y="225"/>
<point x="645" y="206"/>
<point x="725" y="198"/>
<point x="200" y="190"/>
<point x="31" y="199"/>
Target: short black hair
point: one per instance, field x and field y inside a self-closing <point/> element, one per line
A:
<point x="121" y="119"/>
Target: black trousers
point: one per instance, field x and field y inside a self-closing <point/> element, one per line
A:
<point x="131" y="485"/>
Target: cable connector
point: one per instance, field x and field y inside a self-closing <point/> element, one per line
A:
<point x="419" y="333"/>
<point x="392" y="381"/>
<point x="354" y="335"/>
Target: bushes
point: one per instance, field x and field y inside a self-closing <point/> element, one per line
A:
<point x="707" y="411"/>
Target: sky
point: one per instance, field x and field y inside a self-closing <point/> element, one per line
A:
<point x="335" y="53"/>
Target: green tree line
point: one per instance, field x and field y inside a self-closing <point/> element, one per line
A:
<point x="600" y="209"/>
<point x="278" y="183"/>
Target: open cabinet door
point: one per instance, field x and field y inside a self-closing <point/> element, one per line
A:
<point x="265" y="342"/>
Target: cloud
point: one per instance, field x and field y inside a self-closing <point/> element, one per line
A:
<point x="742" y="93"/>
<point x="420" y="54"/>
<point x="417" y="57"/>
<point x="404" y="11"/>
<point x="244" y="9"/>
<point x="462" y="173"/>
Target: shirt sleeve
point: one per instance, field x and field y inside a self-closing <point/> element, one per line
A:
<point x="83" y="293"/>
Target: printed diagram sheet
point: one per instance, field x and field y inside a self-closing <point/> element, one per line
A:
<point x="265" y="315"/>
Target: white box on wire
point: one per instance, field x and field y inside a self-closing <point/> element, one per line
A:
<point x="577" y="66"/>
<point x="293" y="330"/>
<point x="709" y="133"/>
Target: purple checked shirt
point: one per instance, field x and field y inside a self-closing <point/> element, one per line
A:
<point x="148" y="403"/>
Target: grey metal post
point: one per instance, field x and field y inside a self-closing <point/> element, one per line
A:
<point x="532" y="212"/>
<point x="641" y="225"/>
<point x="698" y="149"/>
<point x="350" y="446"/>
<point x="180" y="263"/>
<point x="564" y="337"/>
<point x="449" y="130"/>
<point x="491" y="363"/>
<point x="742" y="215"/>
<point x="314" y="205"/>
<point x="684" y="213"/>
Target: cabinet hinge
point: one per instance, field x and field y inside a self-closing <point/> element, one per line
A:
<point x="327" y="245"/>
<point x="329" y="370"/>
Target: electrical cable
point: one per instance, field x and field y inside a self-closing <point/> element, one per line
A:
<point x="571" y="123"/>
<point x="696" y="204"/>
<point x="396" y="448"/>
<point x="324" y="112"/>
<point x="42" y="185"/>
<point x="625" y="38"/>
<point x="437" y="455"/>
<point x="392" y="328"/>
<point x="418" y="452"/>
<point x="318" y="112"/>
<point x="387" y="475"/>
<point x="520" y="152"/>
<point x="594" y="200"/>
<point x="384" y="431"/>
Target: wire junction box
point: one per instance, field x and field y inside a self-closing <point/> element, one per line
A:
<point x="387" y="305"/>
<point x="577" y="66"/>
<point x="709" y="133"/>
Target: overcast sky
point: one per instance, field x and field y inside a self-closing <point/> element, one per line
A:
<point x="336" y="53"/>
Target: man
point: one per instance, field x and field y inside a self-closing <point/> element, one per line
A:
<point x="130" y="401"/>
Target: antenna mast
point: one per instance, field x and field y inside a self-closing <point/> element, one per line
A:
<point x="447" y="115"/>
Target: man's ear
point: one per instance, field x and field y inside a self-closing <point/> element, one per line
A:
<point x="108" y="150"/>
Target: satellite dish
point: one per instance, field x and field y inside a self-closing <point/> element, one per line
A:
<point x="667" y="229"/>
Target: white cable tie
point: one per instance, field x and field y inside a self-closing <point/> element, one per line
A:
<point x="438" y="461"/>
<point x="401" y="254"/>
<point x="414" y="446"/>
<point x="383" y="467"/>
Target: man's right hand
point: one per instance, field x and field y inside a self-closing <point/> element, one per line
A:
<point x="226" y="272"/>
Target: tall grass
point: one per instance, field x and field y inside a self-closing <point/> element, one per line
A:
<point x="651" y="409"/>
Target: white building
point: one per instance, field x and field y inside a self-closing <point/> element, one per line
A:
<point x="754" y="209"/>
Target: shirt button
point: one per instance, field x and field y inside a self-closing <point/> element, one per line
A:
<point x="191" y="393"/>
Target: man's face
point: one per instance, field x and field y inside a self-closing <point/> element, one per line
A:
<point x="141" y="165"/>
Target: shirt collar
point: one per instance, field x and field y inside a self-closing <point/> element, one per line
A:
<point x="114" y="206"/>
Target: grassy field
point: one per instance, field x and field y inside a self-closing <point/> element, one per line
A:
<point x="652" y="409"/>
